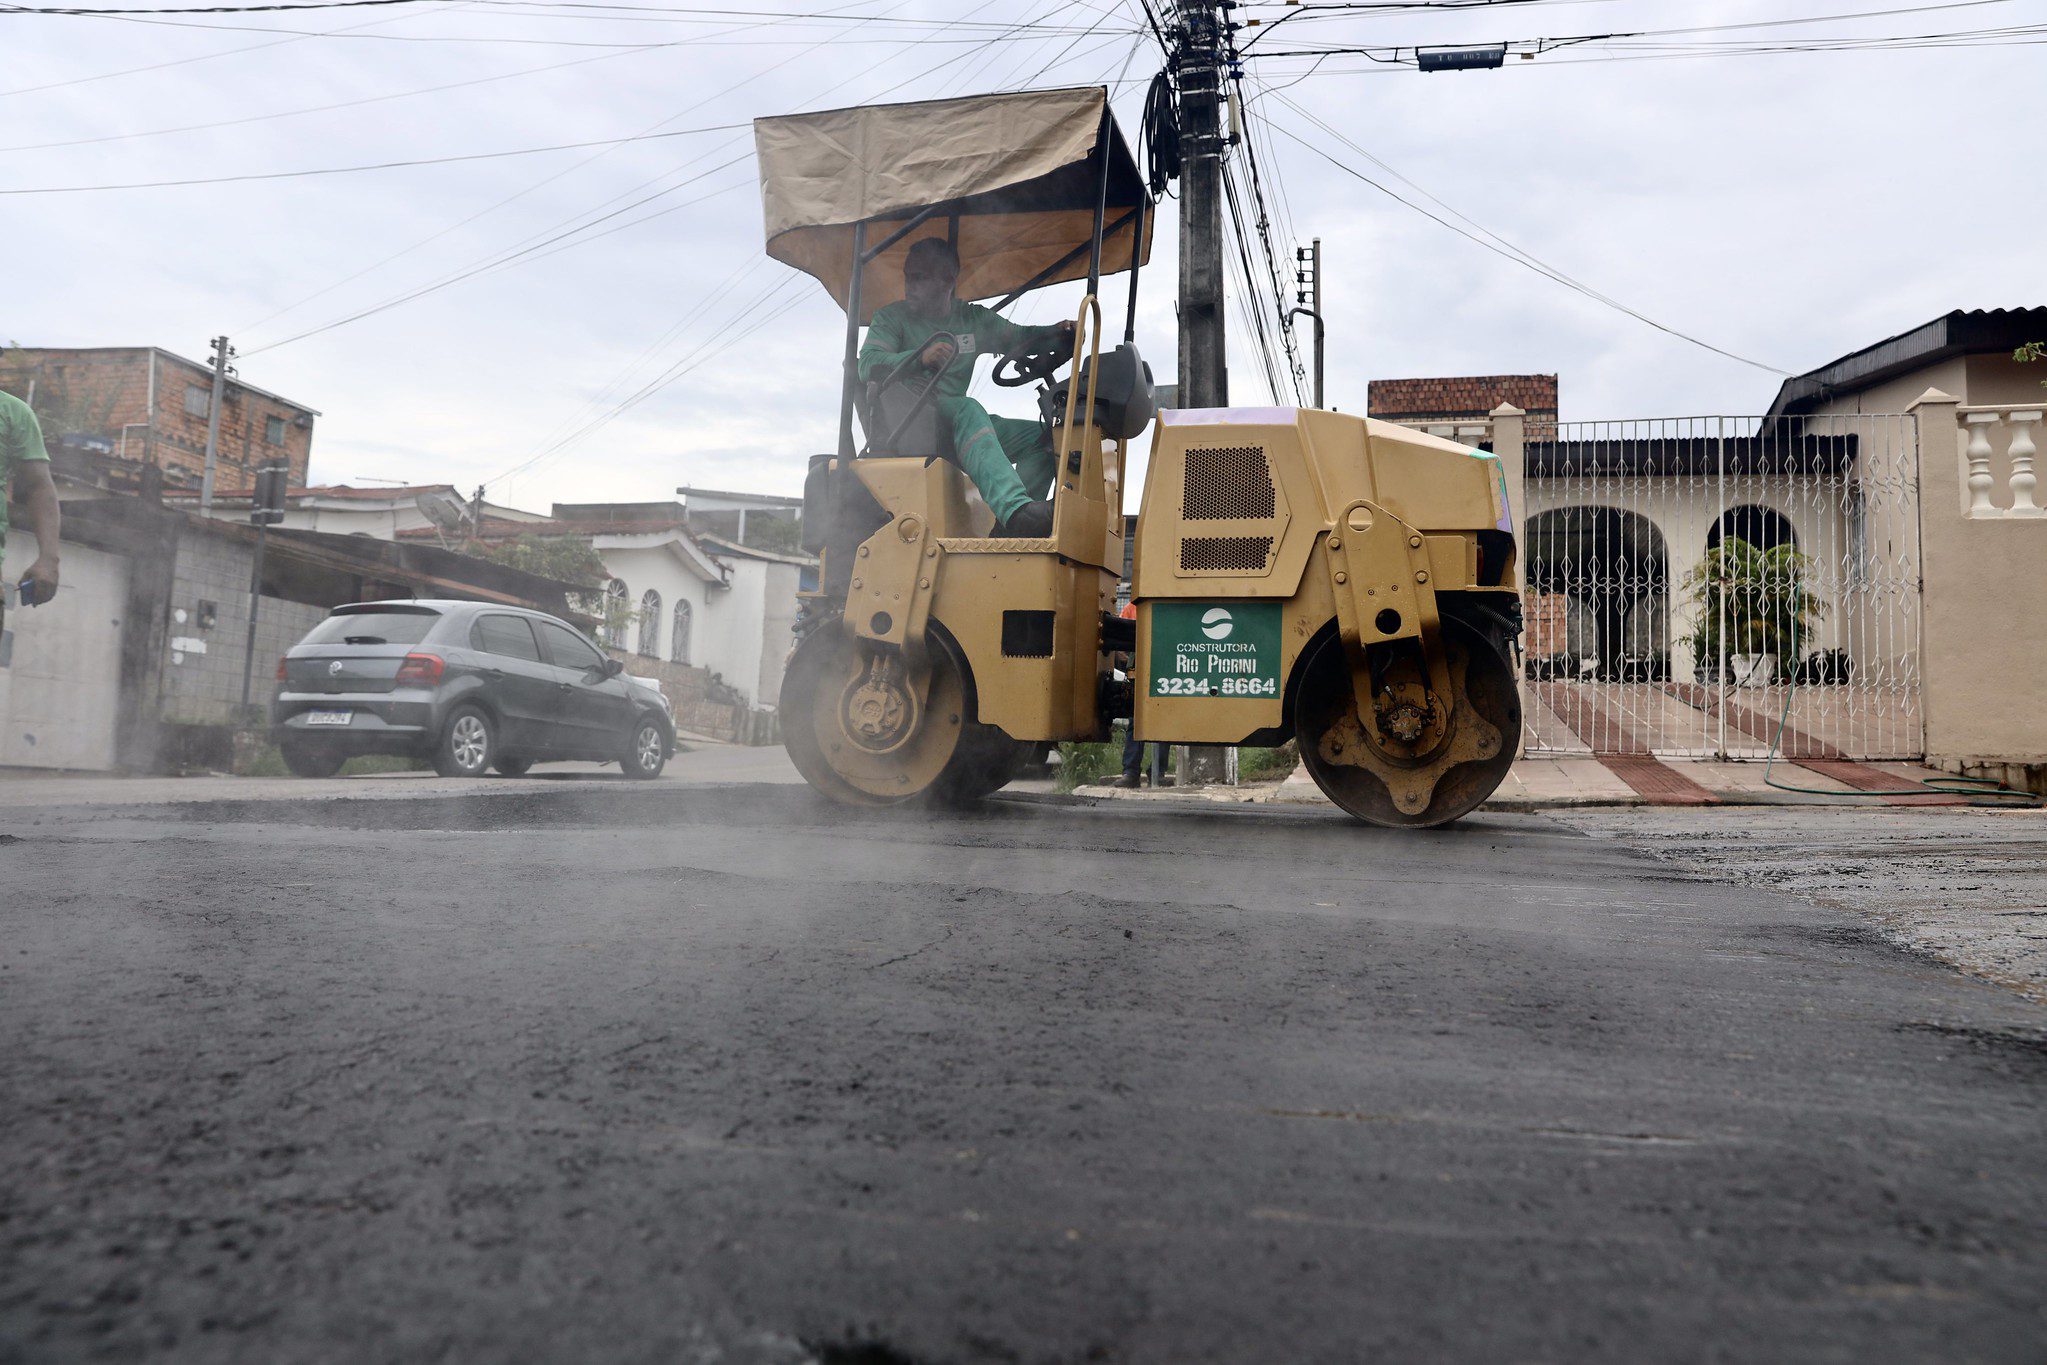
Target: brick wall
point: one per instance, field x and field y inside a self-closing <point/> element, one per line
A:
<point x="1415" y="402"/>
<point x="204" y="686"/>
<point x="93" y="394"/>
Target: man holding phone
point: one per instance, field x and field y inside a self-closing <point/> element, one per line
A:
<point x="25" y="476"/>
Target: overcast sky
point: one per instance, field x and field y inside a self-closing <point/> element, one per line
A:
<point x="1785" y="207"/>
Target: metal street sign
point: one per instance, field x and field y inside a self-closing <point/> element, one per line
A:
<point x="1460" y="58"/>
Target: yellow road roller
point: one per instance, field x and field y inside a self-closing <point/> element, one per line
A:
<point x="1297" y="574"/>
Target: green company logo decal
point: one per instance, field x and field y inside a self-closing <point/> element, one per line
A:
<point x="1214" y="649"/>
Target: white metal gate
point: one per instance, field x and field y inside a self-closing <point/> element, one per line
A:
<point x="1689" y="577"/>
<point x="60" y="698"/>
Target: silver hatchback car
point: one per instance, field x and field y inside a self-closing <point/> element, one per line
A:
<point x="470" y="686"/>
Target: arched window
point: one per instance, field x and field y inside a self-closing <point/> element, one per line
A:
<point x="678" y="642"/>
<point x="616" y="595"/>
<point x="650" y="624"/>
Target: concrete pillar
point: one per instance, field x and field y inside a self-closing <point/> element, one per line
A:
<point x="1510" y="445"/>
<point x="1982" y="657"/>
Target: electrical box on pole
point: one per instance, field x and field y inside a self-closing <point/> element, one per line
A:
<point x="266" y="509"/>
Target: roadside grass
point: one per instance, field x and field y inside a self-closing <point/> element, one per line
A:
<point x="265" y="761"/>
<point x="1084" y="765"/>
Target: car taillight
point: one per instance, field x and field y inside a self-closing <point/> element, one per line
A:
<point x="421" y="668"/>
<point x="280" y="668"/>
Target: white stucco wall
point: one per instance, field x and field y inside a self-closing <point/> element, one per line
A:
<point x="659" y="568"/>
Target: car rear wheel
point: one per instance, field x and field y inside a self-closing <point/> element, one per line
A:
<point x="312" y="759"/>
<point x="648" y="754"/>
<point x="512" y="767"/>
<point x="468" y="744"/>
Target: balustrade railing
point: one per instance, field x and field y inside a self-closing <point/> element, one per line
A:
<point x="2018" y="425"/>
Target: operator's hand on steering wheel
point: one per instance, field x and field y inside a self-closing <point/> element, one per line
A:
<point x="937" y="354"/>
<point x="1066" y="330"/>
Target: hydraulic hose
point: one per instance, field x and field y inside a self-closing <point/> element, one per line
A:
<point x="1978" y="791"/>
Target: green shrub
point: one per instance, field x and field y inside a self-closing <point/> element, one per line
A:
<point x="1081" y="764"/>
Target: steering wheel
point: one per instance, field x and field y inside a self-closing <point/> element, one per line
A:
<point x="1032" y="361"/>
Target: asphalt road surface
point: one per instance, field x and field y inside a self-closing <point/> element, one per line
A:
<point x="722" y="1074"/>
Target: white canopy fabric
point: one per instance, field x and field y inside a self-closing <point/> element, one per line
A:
<point x="1020" y="172"/>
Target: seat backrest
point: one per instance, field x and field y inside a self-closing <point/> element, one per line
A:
<point x="927" y="433"/>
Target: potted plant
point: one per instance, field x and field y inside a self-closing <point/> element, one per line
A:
<point x="1763" y="602"/>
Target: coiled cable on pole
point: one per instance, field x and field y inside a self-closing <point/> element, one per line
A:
<point x="1161" y="130"/>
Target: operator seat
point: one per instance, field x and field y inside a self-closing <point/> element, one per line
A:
<point x="885" y="406"/>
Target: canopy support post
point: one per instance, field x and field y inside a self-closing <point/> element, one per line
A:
<point x="923" y="216"/>
<point x="852" y="376"/>
<point x="1094" y="256"/>
<point x="1136" y="259"/>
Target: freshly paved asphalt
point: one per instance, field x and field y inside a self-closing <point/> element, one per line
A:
<point x="722" y="1074"/>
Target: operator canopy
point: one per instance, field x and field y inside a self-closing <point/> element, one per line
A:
<point x="1021" y="173"/>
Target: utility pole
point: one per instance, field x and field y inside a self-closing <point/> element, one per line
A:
<point x="1201" y="45"/>
<point x="222" y="353"/>
<point x="1308" y="269"/>
<point x="1201" y="42"/>
<point x="266" y="509"/>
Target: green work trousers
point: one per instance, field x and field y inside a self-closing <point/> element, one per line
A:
<point x="1011" y="462"/>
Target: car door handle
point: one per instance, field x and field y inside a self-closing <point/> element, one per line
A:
<point x="493" y="672"/>
<point x="564" y="687"/>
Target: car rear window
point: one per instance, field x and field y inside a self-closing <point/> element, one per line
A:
<point x="373" y="628"/>
<point x="510" y="636"/>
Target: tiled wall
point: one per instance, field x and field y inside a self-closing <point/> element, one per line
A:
<point x="203" y="686"/>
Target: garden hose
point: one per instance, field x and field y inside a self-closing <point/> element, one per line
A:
<point x="1978" y="791"/>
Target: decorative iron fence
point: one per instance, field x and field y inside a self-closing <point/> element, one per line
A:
<point x="1693" y="581"/>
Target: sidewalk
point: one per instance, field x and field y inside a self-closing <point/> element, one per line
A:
<point x="697" y="762"/>
<point x="1552" y="782"/>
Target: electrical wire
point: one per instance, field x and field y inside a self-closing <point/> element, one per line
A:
<point x="1262" y="225"/>
<point x="369" y="166"/>
<point x="210" y="56"/>
<point x="329" y="108"/>
<point x="215" y="9"/>
<point x="1499" y="246"/>
<point x="552" y="233"/>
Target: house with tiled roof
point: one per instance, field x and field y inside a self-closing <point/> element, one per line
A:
<point x="1894" y="485"/>
<point x="381" y="512"/>
<point x="1450" y="404"/>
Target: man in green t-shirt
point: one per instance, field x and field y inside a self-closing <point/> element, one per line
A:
<point x="1011" y="462"/>
<point x="25" y="475"/>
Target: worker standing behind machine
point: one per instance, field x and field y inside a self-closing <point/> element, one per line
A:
<point x="1010" y="461"/>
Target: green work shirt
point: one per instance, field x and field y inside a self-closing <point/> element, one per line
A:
<point x="21" y="440"/>
<point x="897" y="332"/>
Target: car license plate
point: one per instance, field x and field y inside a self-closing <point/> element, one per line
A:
<point x="328" y="717"/>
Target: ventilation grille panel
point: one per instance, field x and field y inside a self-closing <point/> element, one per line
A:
<point x="1222" y="554"/>
<point x="1227" y="483"/>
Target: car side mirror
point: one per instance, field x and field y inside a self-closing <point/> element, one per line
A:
<point x="612" y="668"/>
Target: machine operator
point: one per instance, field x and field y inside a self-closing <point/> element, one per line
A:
<point x="1010" y="461"/>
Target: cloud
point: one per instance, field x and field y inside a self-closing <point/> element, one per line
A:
<point x="1789" y="208"/>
